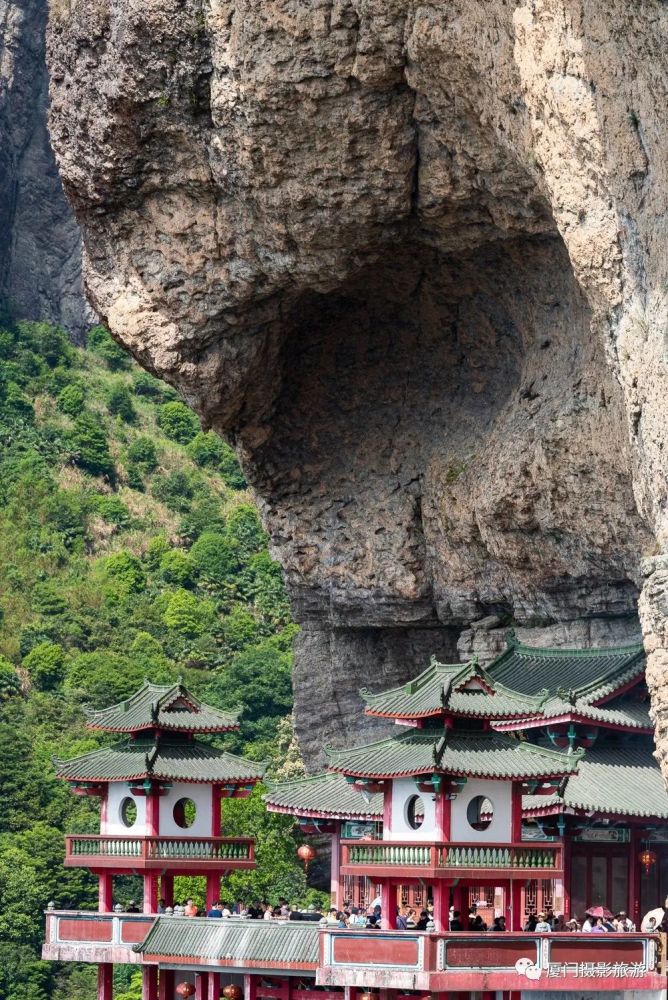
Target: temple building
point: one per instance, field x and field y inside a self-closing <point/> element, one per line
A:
<point x="529" y="785"/>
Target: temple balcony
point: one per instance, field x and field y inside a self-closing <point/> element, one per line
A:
<point x="182" y="855"/>
<point x="393" y="858"/>
<point x="85" y="936"/>
<point x="407" y="960"/>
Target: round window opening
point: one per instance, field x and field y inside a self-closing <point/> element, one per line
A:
<point x="184" y="813"/>
<point x="415" y="812"/>
<point x="480" y="812"/>
<point x="128" y="812"/>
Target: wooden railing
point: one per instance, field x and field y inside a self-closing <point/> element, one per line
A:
<point x="495" y="857"/>
<point x="84" y="849"/>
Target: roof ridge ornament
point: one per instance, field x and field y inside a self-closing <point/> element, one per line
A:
<point x="511" y="638"/>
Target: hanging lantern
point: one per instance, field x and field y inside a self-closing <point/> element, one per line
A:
<point x="647" y="859"/>
<point x="233" y="992"/>
<point x="306" y="853"/>
<point x="367" y="996"/>
<point x="185" y="990"/>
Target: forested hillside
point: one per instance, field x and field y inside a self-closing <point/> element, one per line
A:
<point x="130" y="549"/>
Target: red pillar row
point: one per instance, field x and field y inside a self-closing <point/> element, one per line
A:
<point x="212" y="890"/>
<point x="106" y="892"/>
<point x="214" y="986"/>
<point x="166" y="984"/>
<point x="167" y="889"/>
<point x="105" y="981"/>
<point x="201" y="986"/>
<point x="388" y="905"/>
<point x="150" y="894"/>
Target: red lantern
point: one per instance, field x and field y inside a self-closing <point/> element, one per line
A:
<point x="233" y="992"/>
<point x="185" y="990"/>
<point x="647" y="859"/>
<point x="306" y="853"/>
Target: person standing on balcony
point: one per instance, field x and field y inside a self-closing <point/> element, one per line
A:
<point x="542" y="927"/>
<point x="190" y="909"/>
<point x="131" y="907"/>
<point x="456" y="921"/>
<point x="499" y="924"/>
<point x="215" y="911"/>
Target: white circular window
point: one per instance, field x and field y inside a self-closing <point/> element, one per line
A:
<point x="127" y="812"/>
<point x="415" y="812"/>
<point x="185" y="812"/>
<point x="480" y="812"/>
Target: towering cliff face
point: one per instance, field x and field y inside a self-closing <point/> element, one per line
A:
<point x="411" y="259"/>
<point x="40" y="244"/>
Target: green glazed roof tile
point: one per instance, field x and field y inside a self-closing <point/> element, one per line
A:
<point x="235" y="942"/>
<point x="170" y="707"/>
<point x="616" y="779"/>
<point x="327" y="795"/>
<point x="186" y="761"/>
<point x="480" y="754"/>
<point x="591" y="673"/>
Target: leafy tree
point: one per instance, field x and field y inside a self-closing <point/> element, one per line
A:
<point x="216" y="557"/>
<point x="243" y="528"/>
<point x="111" y="509"/>
<point x="240" y="628"/>
<point x="142" y="452"/>
<point x="46" y="665"/>
<point x="127" y="570"/>
<point x="71" y="400"/>
<point x="230" y="469"/>
<point x="101" y="343"/>
<point x="103" y="677"/>
<point x="177" y="567"/>
<point x="156" y="549"/>
<point x="119" y="403"/>
<point x="10" y="682"/>
<point x="188" y="615"/>
<point x="147" y="385"/>
<point x="178" y="422"/>
<point x="175" y="490"/>
<point x="47" y="599"/>
<point x="90" y="450"/>
<point x="206" y="449"/>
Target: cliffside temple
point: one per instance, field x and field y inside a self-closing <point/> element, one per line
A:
<point x="526" y="786"/>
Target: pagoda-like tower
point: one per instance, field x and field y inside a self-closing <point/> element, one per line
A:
<point x="160" y="791"/>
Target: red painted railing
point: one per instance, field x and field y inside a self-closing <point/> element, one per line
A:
<point x="452" y="858"/>
<point x="85" y="850"/>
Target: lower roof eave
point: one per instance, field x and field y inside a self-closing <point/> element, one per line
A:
<point x="557" y="809"/>
<point x="215" y="964"/>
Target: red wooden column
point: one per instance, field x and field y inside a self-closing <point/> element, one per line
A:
<point x="106" y="892"/>
<point x="250" y="987"/>
<point x="201" y="986"/>
<point x="334" y="878"/>
<point x="167" y="889"/>
<point x="516" y="818"/>
<point x="212" y="891"/>
<point x="440" y="893"/>
<point x="634" y="879"/>
<point x="214" y="986"/>
<point x="216" y="819"/>
<point x="105" y="981"/>
<point x="149" y="983"/>
<point x="443" y="817"/>
<point x="517" y="916"/>
<point x="153" y="812"/>
<point x="388" y="905"/>
<point x="150" y="894"/>
<point x="166" y="984"/>
<point x="566" y="857"/>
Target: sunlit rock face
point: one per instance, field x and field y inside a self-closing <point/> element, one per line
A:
<point x="411" y="259"/>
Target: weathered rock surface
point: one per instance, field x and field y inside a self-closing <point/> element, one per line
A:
<point x="411" y="258"/>
<point x="40" y="243"/>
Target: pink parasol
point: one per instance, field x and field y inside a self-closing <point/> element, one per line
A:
<point x="599" y="911"/>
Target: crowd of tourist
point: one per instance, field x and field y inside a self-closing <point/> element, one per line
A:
<point x="599" y="920"/>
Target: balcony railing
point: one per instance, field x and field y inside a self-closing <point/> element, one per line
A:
<point x="83" y="936"/>
<point x="480" y="962"/>
<point x="446" y="858"/>
<point x="156" y="852"/>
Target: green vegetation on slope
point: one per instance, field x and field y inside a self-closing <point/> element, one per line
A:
<point x="131" y="549"/>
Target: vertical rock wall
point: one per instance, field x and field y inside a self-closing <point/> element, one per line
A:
<point x="40" y="242"/>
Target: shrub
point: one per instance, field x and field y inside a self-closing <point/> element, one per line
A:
<point x="188" y="615"/>
<point x="216" y="558"/>
<point x="110" y="509"/>
<point x="240" y="628"/>
<point x="174" y="490"/>
<point x="243" y="527"/>
<point x="134" y="478"/>
<point x="46" y="665"/>
<point x="206" y="515"/>
<point x="206" y="449"/>
<point x="119" y="403"/>
<point x="71" y="400"/>
<point x="146" y="385"/>
<point x="178" y="422"/>
<point x="142" y="453"/>
<point x="177" y="567"/>
<point x="47" y="599"/>
<point x="101" y="343"/>
<point x="155" y="550"/>
<point x="103" y="677"/>
<point x="127" y="570"/>
<point x="10" y="682"/>
<point x="90" y="450"/>
<point x="230" y="469"/>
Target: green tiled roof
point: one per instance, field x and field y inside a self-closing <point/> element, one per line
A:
<point x="178" y="761"/>
<point x="168" y="706"/>
<point x="591" y="673"/>
<point x="239" y="943"/>
<point x="327" y="795"/>
<point x="483" y="755"/>
<point x="438" y="689"/>
<point x="620" y="712"/>
<point x="614" y="779"/>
